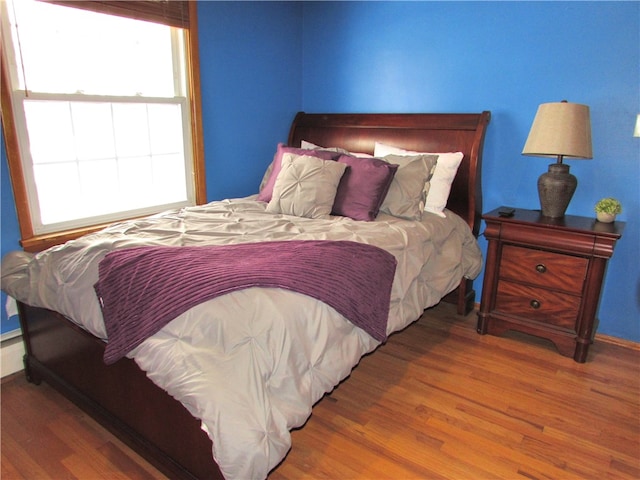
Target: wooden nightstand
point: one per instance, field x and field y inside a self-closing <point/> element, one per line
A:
<point x="543" y="276"/>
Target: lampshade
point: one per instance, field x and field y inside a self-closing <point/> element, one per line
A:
<point x="560" y="129"/>
<point x="636" y="131"/>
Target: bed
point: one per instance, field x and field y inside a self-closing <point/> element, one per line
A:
<point x="174" y="397"/>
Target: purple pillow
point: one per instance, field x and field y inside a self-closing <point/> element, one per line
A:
<point x="267" y="190"/>
<point x="363" y="187"/>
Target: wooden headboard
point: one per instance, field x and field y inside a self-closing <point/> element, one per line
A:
<point x="422" y="132"/>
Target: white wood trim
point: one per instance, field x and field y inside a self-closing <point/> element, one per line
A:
<point x="11" y="353"/>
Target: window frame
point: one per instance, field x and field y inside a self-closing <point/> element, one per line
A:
<point x="181" y="14"/>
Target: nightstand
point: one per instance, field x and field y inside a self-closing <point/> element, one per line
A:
<point x="543" y="276"/>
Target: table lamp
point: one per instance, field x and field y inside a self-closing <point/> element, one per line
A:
<point x="559" y="130"/>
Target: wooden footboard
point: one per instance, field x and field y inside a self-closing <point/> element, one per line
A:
<point x="119" y="396"/>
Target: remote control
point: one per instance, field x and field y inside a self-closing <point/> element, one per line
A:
<point x="506" y="212"/>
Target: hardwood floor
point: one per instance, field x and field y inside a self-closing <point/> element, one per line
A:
<point x="44" y="436"/>
<point x="436" y="401"/>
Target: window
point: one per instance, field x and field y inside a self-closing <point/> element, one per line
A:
<point x="104" y="121"/>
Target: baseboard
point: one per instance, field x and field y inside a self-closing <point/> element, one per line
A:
<point x="620" y="342"/>
<point x="11" y="354"/>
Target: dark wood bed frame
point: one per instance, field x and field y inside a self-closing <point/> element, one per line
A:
<point x="144" y="416"/>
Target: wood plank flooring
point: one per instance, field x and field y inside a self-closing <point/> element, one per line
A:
<point x="436" y="401"/>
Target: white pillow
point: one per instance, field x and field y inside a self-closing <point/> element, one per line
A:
<point x="443" y="175"/>
<point x="406" y="195"/>
<point x="306" y="186"/>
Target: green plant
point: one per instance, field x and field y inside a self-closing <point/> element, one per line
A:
<point x="608" y="205"/>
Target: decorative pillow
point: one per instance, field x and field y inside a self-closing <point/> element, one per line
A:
<point x="266" y="187"/>
<point x="313" y="146"/>
<point x="306" y="186"/>
<point x="443" y="175"/>
<point x="406" y="196"/>
<point x="363" y="187"/>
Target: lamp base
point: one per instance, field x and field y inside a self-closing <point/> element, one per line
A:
<point x="555" y="189"/>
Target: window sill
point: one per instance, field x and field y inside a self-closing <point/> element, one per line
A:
<point x="37" y="243"/>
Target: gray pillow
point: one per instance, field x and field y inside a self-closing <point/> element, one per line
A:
<point x="306" y="186"/>
<point x="408" y="190"/>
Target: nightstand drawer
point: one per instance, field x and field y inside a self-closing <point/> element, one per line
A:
<point x="538" y="304"/>
<point x="546" y="269"/>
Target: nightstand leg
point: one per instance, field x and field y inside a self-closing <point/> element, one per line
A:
<point x="490" y="279"/>
<point x="483" y="323"/>
<point x="582" y="349"/>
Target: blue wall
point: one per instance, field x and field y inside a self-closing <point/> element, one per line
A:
<point x="250" y="55"/>
<point x="10" y="232"/>
<point x="263" y="61"/>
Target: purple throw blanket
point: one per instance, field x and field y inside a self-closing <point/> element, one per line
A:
<point x="142" y="289"/>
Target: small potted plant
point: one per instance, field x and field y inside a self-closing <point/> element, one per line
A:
<point x="607" y="209"/>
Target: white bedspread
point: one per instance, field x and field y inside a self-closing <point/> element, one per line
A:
<point x="251" y="364"/>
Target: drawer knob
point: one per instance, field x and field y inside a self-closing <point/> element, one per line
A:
<point x="540" y="268"/>
<point x="535" y="304"/>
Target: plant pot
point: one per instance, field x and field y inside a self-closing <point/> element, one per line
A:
<point x="605" y="217"/>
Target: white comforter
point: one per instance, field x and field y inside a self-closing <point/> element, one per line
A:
<point x="251" y="364"/>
